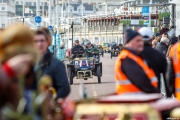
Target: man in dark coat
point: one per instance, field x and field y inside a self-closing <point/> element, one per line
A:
<point x="76" y="48"/>
<point x="162" y="46"/>
<point x="155" y="59"/>
<point x="135" y="73"/>
<point x="51" y="66"/>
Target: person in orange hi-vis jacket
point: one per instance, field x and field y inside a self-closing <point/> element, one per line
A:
<point x="132" y="73"/>
<point x="173" y="71"/>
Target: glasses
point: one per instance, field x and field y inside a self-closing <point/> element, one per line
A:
<point x="41" y="41"/>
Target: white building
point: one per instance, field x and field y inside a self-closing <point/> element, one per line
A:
<point x="177" y="16"/>
<point x="7" y="10"/>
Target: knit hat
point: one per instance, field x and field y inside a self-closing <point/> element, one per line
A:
<point x="174" y="39"/>
<point x="146" y="33"/>
<point x="129" y="35"/>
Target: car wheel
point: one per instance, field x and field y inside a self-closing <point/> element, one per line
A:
<point x="85" y="79"/>
<point x="99" y="74"/>
<point x="70" y="76"/>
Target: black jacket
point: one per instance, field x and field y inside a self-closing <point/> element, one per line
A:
<point x="162" y="47"/>
<point x="157" y="61"/>
<point x="56" y="69"/>
<point x="77" y="48"/>
<point x="170" y="76"/>
<point x="137" y="75"/>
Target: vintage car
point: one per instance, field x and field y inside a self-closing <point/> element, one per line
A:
<point x="84" y="68"/>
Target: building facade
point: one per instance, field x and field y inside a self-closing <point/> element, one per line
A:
<point x="30" y="8"/>
<point x="7" y="10"/>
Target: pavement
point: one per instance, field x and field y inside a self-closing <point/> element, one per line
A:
<point x="92" y="87"/>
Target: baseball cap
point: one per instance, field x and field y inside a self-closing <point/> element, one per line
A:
<point x="88" y="43"/>
<point x="146" y="33"/>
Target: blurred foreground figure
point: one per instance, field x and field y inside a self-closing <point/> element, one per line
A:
<point x="173" y="72"/>
<point x="131" y="71"/>
<point x="16" y="57"/>
<point x="50" y="65"/>
<point x="154" y="58"/>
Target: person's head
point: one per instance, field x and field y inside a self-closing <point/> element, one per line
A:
<point x="165" y="40"/>
<point x="147" y="34"/>
<point x="174" y="40"/>
<point x="154" y="43"/>
<point x="76" y="42"/>
<point x="41" y="41"/>
<point x="14" y="40"/>
<point x="88" y="44"/>
<point x="47" y="32"/>
<point x="62" y="46"/>
<point x="133" y="40"/>
<point x="164" y="26"/>
<point x="178" y="38"/>
<point x="172" y="27"/>
<point x="120" y="45"/>
<point x="165" y="35"/>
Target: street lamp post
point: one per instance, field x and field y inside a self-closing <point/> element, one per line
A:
<point x="58" y="55"/>
<point x="23" y="11"/>
<point x="85" y="28"/>
<point x="38" y="11"/>
<point x="72" y="32"/>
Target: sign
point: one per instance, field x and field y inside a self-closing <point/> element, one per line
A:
<point x="38" y="19"/>
<point x="134" y="22"/>
<point x="145" y="11"/>
<point x="145" y="14"/>
<point x="50" y="27"/>
<point x="146" y="22"/>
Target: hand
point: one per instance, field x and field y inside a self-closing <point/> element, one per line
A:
<point x="20" y="64"/>
<point x="92" y="52"/>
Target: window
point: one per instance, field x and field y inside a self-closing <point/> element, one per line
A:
<point x="3" y="25"/>
<point x="45" y="3"/>
<point x="17" y="3"/>
<point x="70" y="10"/>
<point x="79" y="10"/>
<point x="28" y="3"/>
<point x="34" y="3"/>
<point x="100" y="6"/>
<point x="3" y="8"/>
<point x="4" y="1"/>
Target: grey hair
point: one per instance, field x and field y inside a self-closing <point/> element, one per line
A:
<point x="164" y="39"/>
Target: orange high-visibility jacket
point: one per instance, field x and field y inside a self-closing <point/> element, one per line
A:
<point x="123" y="85"/>
<point x="175" y="56"/>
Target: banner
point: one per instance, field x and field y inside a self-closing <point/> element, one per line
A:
<point x="145" y="15"/>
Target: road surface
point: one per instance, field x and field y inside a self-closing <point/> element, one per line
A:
<point x="93" y="88"/>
